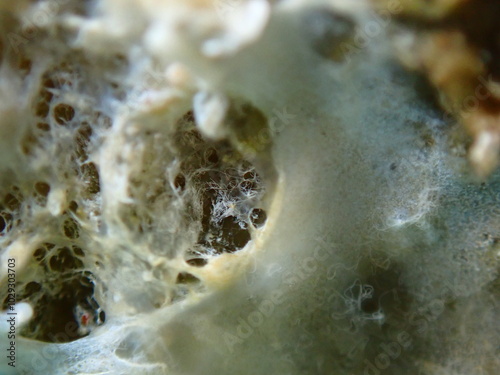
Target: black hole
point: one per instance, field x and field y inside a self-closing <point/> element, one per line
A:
<point x="180" y="182"/>
<point x="71" y="229"/>
<point x="42" y="188"/>
<point x="64" y="261"/>
<point x="234" y="236"/>
<point x="78" y="251"/>
<point x="187" y="119"/>
<point x="329" y="30"/>
<point x="49" y="246"/>
<point x="369" y="306"/>
<point x="241" y="238"/>
<point x="250" y="175"/>
<point x="258" y="217"/>
<point x="91" y="176"/>
<point x="186" y="278"/>
<point x="5" y="222"/>
<point x="25" y="64"/>
<point x="43" y="126"/>
<point x="232" y="184"/>
<point x="39" y="254"/>
<point x="31" y="288"/>
<point x="197" y="262"/>
<point x="211" y="156"/>
<point x="73" y="206"/>
<point x="82" y="140"/>
<point x="46" y="95"/>
<point x="59" y="315"/>
<point x="42" y="109"/>
<point x="63" y="113"/>
<point x="48" y="83"/>
<point x="102" y="317"/>
<point x="247" y="185"/>
<point x="55" y="264"/>
<point x="66" y="258"/>
<point x="12" y="202"/>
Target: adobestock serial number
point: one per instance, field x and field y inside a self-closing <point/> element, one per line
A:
<point x="11" y="314"/>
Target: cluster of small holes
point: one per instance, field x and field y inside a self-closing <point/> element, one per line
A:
<point x="64" y="260"/>
<point x="215" y="189"/>
<point x="58" y="121"/>
<point x="10" y="211"/>
<point x="60" y="294"/>
<point x="59" y="258"/>
<point x="56" y="114"/>
<point x="59" y="288"/>
<point x="221" y="190"/>
<point x="224" y="187"/>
